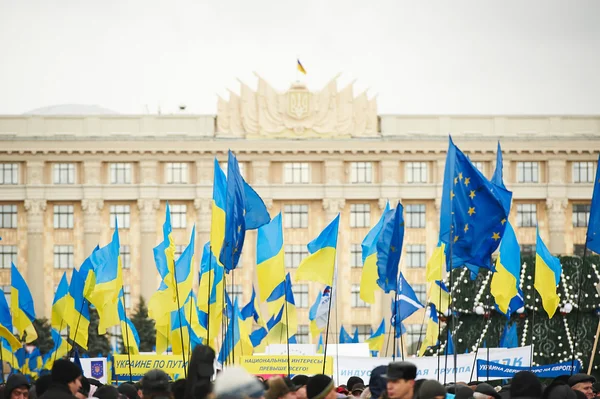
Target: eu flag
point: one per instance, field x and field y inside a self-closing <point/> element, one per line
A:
<point x="235" y="213"/>
<point x="389" y="248"/>
<point x="473" y="216"/>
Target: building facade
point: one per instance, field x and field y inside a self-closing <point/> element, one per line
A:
<point x="310" y="155"/>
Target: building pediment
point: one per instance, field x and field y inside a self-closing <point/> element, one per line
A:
<point x="297" y="112"/>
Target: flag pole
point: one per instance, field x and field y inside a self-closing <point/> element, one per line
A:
<point x="77" y="327"/>
<point x="532" y="326"/>
<point x="420" y="342"/>
<point x="127" y="339"/>
<point x="594" y="349"/>
<point x="337" y="341"/>
<point x="190" y="323"/>
<point x="209" y="290"/>
<point x="179" y="317"/>
<point x="287" y="326"/>
<point x="327" y="330"/>
<point x="55" y="352"/>
<point x="439" y="332"/>
<point x="223" y="316"/>
<point x="396" y="306"/>
<point x="2" y="359"/>
<point x="401" y="338"/>
<point x="579" y="284"/>
<point x="232" y="314"/>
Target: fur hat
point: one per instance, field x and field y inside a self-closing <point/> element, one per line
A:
<point x="65" y="371"/>
<point x="430" y="389"/>
<point x="237" y="383"/>
<point x="318" y="386"/>
<point x="277" y="388"/>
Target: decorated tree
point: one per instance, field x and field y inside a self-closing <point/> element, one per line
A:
<point x="144" y="326"/>
<point x="44" y="340"/>
<point x="478" y="324"/>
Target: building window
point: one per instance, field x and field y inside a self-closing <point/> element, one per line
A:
<point x="364" y="331"/>
<point x="360" y="215"/>
<point x="295" y="216"/>
<point x="235" y="292"/>
<point x="416" y="172"/>
<point x="8" y="255"/>
<point x="9" y="173"/>
<point x="578" y="250"/>
<point x="179" y="216"/>
<point x="583" y="172"/>
<point x="125" y="257"/>
<point x="415" y="255"/>
<point x="8" y="216"/>
<point x="414" y="334"/>
<point x="120" y="173"/>
<point x="415" y="216"/>
<point x="302" y="334"/>
<point x="121" y="213"/>
<point x="581" y="215"/>
<point x="177" y="173"/>
<point x="527" y="172"/>
<point x="63" y="257"/>
<point x="294" y="253"/>
<point x="296" y="172"/>
<point x="361" y="172"/>
<point x="527" y="249"/>
<point x="356" y="301"/>
<point x="179" y="250"/>
<point x="300" y="295"/>
<point x="64" y="173"/>
<point x="356" y="256"/>
<point x="241" y="166"/>
<point x="526" y="215"/>
<point x="127" y="296"/>
<point x="63" y="216"/>
<point x="421" y="292"/>
<point x="480" y="166"/>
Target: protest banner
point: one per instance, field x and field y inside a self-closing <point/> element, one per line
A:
<point x="498" y="370"/>
<point x="94" y="367"/>
<point x="278" y="365"/>
<point x="141" y="364"/>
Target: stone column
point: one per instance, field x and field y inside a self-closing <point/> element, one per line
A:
<point x="260" y="171"/>
<point x="203" y="208"/>
<point x="332" y="207"/>
<point x="556" y="224"/>
<point x="92" y="223"/>
<point x="35" y="252"/>
<point x="148" y="209"/>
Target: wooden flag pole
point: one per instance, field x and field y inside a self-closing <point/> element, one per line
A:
<point x="594" y="349"/>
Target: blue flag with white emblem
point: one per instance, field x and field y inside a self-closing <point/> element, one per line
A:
<point x="235" y="216"/>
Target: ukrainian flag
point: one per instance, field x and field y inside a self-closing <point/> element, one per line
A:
<point x="345" y="338"/>
<point x="77" y="311"/>
<point x="251" y="315"/>
<point x="131" y="339"/>
<point x="320" y="345"/>
<point x="237" y="340"/>
<point x="86" y="271"/>
<point x="34" y="362"/>
<point x="312" y="316"/>
<point x="195" y="318"/>
<point x="23" y="312"/>
<point x="439" y="296"/>
<point x="435" y="264"/>
<point x="547" y="276"/>
<point x="183" y="337"/>
<point x="61" y="349"/>
<point x="319" y="266"/>
<point x="183" y="274"/>
<point x="270" y="267"/>
<point x="368" y="278"/>
<point x="210" y="293"/>
<point x="59" y="303"/>
<point x="377" y="338"/>
<point x="6" y="325"/>
<point x="300" y="67"/>
<point x="432" y="334"/>
<point x="282" y="301"/>
<point x="8" y="355"/>
<point x="389" y="249"/>
<point x="505" y="281"/>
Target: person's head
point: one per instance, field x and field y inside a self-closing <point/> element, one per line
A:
<point x="431" y="389"/>
<point x="525" y="384"/>
<point x="400" y="377"/>
<point x="106" y="392"/>
<point x="279" y="389"/>
<point x="377" y="384"/>
<point x="66" y="373"/>
<point x="84" y="390"/>
<point x="357" y="389"/>
<point x="461" y="391"/>
<point x="129" y="390"/>
<point x="200" y="373"/>
<point x="155" y="384"/>
<point x="583" y="383"/>
<point x="485" y="391"/>
<point x="354" y="380"/>
<point x="17" y="387"/>
<point x="237" y="383"/>
<point x="320" y="386"/>
<point x="178" y="388"/>
<point x="42" y="384"/>
<point x="559" y="389"/>
<point x="300" y="381"/>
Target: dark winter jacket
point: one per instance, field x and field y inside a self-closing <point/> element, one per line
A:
<point x="57" y="391"/>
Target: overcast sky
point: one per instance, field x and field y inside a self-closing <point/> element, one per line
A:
<point x="419" y="57"/>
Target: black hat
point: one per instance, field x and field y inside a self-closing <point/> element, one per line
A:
<point x="579" y="378"/>
<point x="106" y="392"/>
<point x="525" y="384"/>
<point x="15" y="381"/>
<point x="155" y="381"/>
<point x="488" y="390"/>
<point x="401" y="371"/>
<point x="354" y="380"/>
<point x="290" y="384"/>
<point x="377" y="382"/>
<point x="42" y="384"/>
<point x="65" y="371"/>
<point x="129" y="390"/>
<point x="430" y="389"/>
<point x="318" y="386"/>
<point x="300" y="380"/>
<point x="358" y="387"/>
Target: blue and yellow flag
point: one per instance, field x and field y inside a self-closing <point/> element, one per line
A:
<point x="61" y="349"/>
<point x="257" y="214"/>
<point x="472" y="216"/>
<point x="369" y="276"/>
<point x="377" y="338"/>
<point x="315" y="330"/>
<point x="282" y="299"/>
<point x="439" y="296"/>
<point x="183" y="272"/>
<point x="432" y="333"/>
<point x="23" y="311"/>
<point x="59" y="303"/>
<point x="593" y="231"/>
<point x="270" y="268"/>
<point x="183" y="338"/>
<point x="6" y="325"/>
<point x="77" y="311"/>
<point x="389" y="249"/>
<point x="235" y="216"/>
<point x="251" y="315"/>
<point x="319" y="266"/>
<point x="34" y="362"/>
<point x="237" y="340"/>
<point x="131" y="339"/>
<point x="300" y="67"/>
<point x="505" y="281"/>
<point x="320" y="345"/>
<point x="86" y="271"/>
<point x="345" y="338"/>
<point x="547" y="276"/>
<point x="435" y="264"/>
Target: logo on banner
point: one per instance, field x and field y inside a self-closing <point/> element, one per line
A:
<point x="97" y="369"/>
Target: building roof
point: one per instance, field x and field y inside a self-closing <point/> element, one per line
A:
<point x="72" y="109"/>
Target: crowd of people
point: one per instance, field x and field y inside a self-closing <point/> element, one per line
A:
<point x="395" y="381"/>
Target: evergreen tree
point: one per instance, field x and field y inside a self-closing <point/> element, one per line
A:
<point x="44" y="340"/>
<point x="144" y="326"/>
<point x="96" y="343"/>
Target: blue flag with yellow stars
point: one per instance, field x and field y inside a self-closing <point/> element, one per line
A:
<point x="472" y="217"/>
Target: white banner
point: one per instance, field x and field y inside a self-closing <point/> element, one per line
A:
<point x="354" y="350"/>
<point x="94" y="367"/>
<point x="427" y="367"/>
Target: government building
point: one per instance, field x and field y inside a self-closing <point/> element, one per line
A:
<point x="65" y="174"/>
